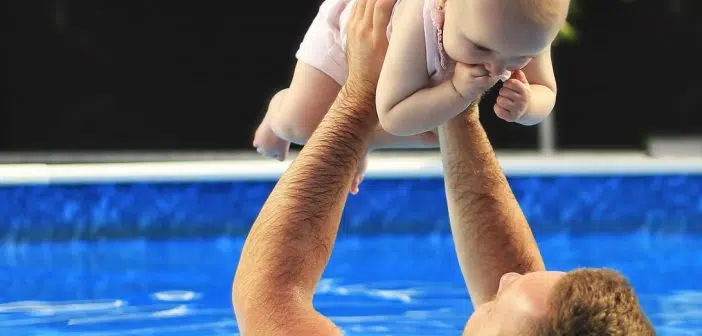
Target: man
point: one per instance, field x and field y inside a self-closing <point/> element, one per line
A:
<point x="291" y="241"/>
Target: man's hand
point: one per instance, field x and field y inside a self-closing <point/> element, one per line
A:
<point x="367" y="40"/>
<point x="514" y="98"/>
<point x="366" y="47"/>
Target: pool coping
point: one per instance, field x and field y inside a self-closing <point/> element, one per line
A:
<point x="246" y="166"/>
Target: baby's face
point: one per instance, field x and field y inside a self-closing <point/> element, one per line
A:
<point x="494" y="33"/>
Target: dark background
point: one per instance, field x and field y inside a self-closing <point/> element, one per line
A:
<point x="150" y="75"/>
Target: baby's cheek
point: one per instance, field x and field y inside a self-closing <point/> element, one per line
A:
<point x="457" y="51"/>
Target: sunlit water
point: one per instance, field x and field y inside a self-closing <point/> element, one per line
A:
<point x="394" y="285"/>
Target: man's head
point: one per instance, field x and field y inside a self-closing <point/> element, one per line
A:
<point x="580" y="302"/>
<point x="501" y="34"/>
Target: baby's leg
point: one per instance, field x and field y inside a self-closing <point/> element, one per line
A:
<point x="265" y="141"/>
<point x="305" y="103"/>
<point x="294" y="113"/>
<point x="384" y="140"/>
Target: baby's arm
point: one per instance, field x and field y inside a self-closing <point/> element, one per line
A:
<point x="405" y="103"/>
<point x="542" y="82"/>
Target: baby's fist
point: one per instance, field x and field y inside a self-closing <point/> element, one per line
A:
<point x="514" y="97"/>
<point x="471" y="81"/>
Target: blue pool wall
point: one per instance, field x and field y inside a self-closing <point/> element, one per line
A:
<point x="667" y="204"/>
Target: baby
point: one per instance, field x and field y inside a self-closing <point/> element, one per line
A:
<point x="443" y="55"/>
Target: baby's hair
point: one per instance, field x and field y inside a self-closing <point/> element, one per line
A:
<point x="545" y="12"/>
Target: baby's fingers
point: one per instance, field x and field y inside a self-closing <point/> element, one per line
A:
<point x="504" y="113"/>
<point x="505" y="103"/>
<point x="509" y="93"/>
<point x="478" y="70"/>
<point x="516" y="85"/>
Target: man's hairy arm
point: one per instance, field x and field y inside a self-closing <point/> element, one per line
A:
<point x="491" y="234"/>
<point x="291" y="241"/>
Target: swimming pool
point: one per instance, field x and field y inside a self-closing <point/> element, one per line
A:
<point x="150" y="249"/>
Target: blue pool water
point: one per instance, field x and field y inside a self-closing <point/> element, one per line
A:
<point x="143" y="259"/>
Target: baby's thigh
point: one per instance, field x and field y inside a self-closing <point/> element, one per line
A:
<point x="310" y="95"/>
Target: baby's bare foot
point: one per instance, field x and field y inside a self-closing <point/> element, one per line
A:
<point x="359" y="175"/>
<point x="268" y="144"/>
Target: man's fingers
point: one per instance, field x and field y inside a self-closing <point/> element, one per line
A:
<point x="382" y="14"/>
<point x="369" y="9"/>
<point x="358" y="11"/>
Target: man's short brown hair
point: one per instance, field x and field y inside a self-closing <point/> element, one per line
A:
<point x="597" y="302"/>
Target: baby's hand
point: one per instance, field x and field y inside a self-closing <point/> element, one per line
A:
<point x="471" y="81"/>
<point x="514" y="97"/>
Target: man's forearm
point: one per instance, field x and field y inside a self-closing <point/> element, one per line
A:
<point x="491" y="234"/>
<point x="291" y="240"/>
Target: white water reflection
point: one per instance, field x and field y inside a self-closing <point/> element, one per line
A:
<point x="407" y="308"/>
<point x="175" y="296"/>
<point x="58" y="307"/>
<point x="390" y="307"/>
<point x="680" y="313"/>
<point x="178" y="311"/>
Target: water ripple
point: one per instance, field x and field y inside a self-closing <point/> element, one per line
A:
<point x="396" y="285"/>
<point x="680" y="313"/>
<point x="409" y="307"/>
<point x="50" y="308"/>
<point x="175" y="296"/>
